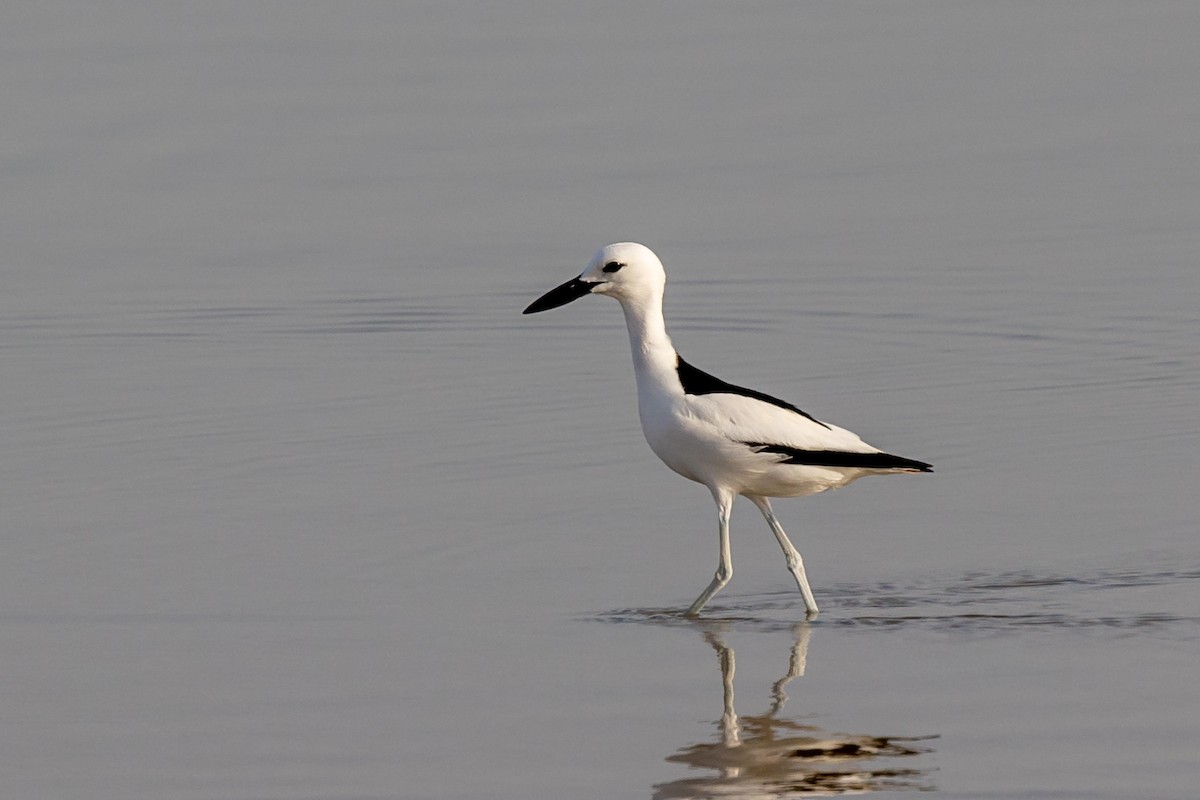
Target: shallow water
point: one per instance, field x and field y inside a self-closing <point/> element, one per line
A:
<point x="296" y="504"/>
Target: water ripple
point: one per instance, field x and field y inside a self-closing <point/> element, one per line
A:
<point x="1004" y="603"/>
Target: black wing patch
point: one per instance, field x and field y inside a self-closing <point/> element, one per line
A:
<point x="839" y="458"/>
<point x="699" y="382"/>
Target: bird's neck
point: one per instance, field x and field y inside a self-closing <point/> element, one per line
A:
<point x="654" y="357"/>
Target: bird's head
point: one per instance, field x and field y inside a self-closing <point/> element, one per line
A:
<point x="625" y="271"/>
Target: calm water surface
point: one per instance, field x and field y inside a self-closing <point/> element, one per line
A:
<point x="295" y="504"/>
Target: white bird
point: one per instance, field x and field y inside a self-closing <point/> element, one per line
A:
<point x="735" y="441"/>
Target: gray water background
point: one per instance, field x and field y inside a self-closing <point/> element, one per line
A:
<point x="295" y="504"/>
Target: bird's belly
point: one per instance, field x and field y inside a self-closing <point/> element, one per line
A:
<point x="798" y="480"/>
<point x="698" y="453"/>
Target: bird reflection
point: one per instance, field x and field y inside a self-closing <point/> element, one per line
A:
<point x="769" y="756"/>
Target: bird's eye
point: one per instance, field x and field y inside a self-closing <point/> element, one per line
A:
<point x="613" y="266"/>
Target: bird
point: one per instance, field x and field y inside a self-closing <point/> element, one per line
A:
<point x="733" y="440"/>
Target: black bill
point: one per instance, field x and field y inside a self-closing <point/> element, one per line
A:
<point x="560" y="295"/>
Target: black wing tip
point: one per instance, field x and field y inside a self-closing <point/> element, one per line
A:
<point x="889" y="461"/>
<point x="841" y="458"/>
<point x="909" y="463"/>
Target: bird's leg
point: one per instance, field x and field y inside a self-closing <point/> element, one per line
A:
<point x="794" y="562"/>
<point x="725" y="565"/>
